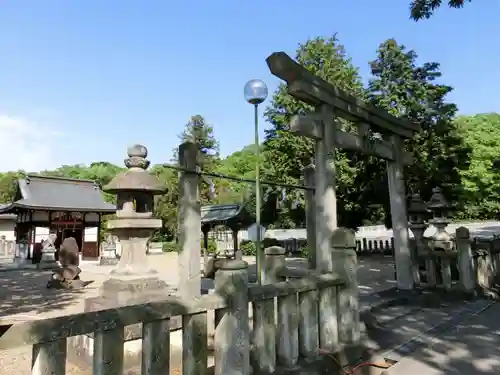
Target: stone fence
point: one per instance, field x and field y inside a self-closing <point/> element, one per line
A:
<point x="7" y="250"/>
<point x="292" y="317"/>
<point x="369" y="239"/>
<point x="471" y="262"/>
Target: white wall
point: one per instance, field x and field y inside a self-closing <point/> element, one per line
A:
<point x="90" y="234"/>
<point x="7" y="229"/>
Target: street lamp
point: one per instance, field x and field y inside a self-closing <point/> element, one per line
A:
<point x="255" y="92"/>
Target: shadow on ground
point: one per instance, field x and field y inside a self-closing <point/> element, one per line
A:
<point x="25" y="292"/>
<point x="438" y="332"/>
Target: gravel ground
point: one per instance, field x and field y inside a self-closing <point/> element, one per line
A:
<point x="25" y="297"/>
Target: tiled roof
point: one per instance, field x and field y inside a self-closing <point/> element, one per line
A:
<point x="221" y="213"/>
<point x="57" y="193"/>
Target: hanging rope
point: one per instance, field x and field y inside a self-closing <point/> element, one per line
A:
<point x="199" y="172"/>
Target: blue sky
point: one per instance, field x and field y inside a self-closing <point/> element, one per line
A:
<point x="82" y="79"/>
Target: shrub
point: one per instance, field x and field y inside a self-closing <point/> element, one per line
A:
<point x="212" y="246"/>
<point x="304" y="251"/>
<point x="247" y="247"/>
<point x="170" y="247"/>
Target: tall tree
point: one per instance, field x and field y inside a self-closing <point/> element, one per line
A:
<point x="424" y="9"/>
<point x="406" y="88"/>
<point x="8" y="185"/>
<point x="198" y="131"/>
<point x="481" y="180"/>
<point x="287" y="155"/>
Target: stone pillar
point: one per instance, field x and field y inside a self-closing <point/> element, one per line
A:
<point x="402" y="253"/>
<point x="232" y="334"/>
<point x="310" y="216"/>
<point x="465" y="260"/>
<point x="417" y="212"/>
<point x="275" y="262"/>
<point x="189" y="223"/>
<point x="345" y="261"/>
<point x="325" y="196"/>
<point x="264" y="325"/>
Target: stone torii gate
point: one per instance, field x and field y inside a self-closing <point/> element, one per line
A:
<point x="330" y="102"/>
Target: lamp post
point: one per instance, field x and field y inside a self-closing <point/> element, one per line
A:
<point x="255" y="92"/>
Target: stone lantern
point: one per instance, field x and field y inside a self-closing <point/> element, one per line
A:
<point x="441" y="240"/>
<point x="418" y="212"/>
<point x="134" y="224"/>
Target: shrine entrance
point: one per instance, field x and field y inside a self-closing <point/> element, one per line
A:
<point x="377" y="133"/>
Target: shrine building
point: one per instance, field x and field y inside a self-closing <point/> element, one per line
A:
<point x="62" y="206"/>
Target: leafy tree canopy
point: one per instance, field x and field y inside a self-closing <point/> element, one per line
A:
<point x="424" y="9"/>
<point x="287" y="155"/>
<point x="407" y="88"/>
<point x="481" y="181"/>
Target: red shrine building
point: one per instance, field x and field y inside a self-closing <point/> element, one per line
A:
<point x="61" y="207"/>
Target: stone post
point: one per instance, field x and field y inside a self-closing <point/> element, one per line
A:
<point x="232" y="334"/>
<point x="135" y="188"/>
<point x="345" y="262"/>
<point x="189" y="223"/>
<point x="310" y="216"/>
<point x="264" y="322"/>
<point x="402" y="254"/>
<point x="325" y="196"/>
<point x="465" y="260"/>
<point x="274" y="263"/>
<point x="417" y="212"/>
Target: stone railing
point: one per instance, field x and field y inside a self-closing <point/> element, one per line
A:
<point x="7" y="250"/>
<point x="370" y="239"/>
<point x="474" y="263"/>
<point x="291" y="317"/>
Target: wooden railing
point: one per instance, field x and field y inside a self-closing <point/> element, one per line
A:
<point x="291" y="318"/>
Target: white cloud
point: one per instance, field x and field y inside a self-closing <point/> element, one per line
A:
<point x="26" y="144"/>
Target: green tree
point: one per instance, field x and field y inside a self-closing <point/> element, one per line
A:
<point x="424" y="9"/>
<point x="240" y="164"/>
<point x="286" y="155"/>
<point x="166" y="205"/>
<point x="198" y="131"/>
<point x="481" y="181"/>
<point x="408" y="89"/>
<point x="8" y="185"/>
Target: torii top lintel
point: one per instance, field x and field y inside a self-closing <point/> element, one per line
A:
<point x="305" y="86"/>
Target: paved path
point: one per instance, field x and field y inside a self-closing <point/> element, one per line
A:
<point x="472" y="348"/>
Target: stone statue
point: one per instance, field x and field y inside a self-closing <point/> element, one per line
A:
<point x="67" y="276"/>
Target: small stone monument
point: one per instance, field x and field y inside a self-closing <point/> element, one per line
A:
<point x="132" y="278"/>
<point x="108" y="251"/>
<point x="68" y="275"/>
<point x="48" y="256"/>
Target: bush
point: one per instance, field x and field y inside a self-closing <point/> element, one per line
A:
<point x="304" y="251"/>
<point x="170" y="247"/>
<point x="212" y="246"/>
<point x="247" y="247"/>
